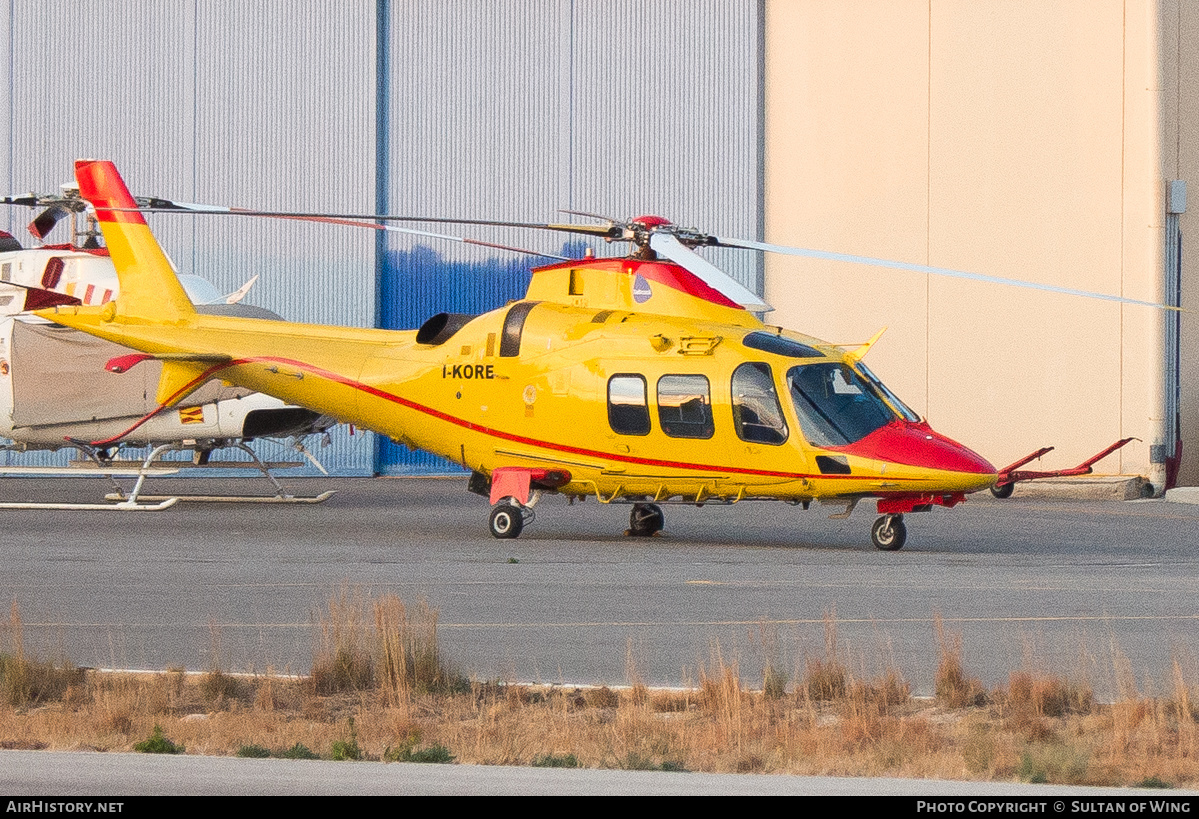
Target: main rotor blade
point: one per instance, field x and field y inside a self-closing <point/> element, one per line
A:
<point x="936" y="271"/>
<point x="46" y="220"/>
<point x="371" y="221"/>
<point x="337" y="220"/>
<point x="155" y="205"/>
<point x="669" y="246"/>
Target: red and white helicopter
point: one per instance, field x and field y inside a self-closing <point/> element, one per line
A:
<point x="55" y="393"/>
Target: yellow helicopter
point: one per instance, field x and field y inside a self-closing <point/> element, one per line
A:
<point x="642" y="380"/>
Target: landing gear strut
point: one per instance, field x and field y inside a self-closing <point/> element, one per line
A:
<point x="646" y="520"/>
<point x="889" y="533"/>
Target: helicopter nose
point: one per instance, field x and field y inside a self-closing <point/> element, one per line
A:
<point x="919" y="445"/>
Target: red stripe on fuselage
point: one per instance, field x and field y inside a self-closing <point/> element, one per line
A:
<point x="469" y="425"/>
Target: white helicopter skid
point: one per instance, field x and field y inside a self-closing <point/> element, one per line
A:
<point x="152" y="466"/>
<point x="127" y="506"/>
<point x="94" y="466"/>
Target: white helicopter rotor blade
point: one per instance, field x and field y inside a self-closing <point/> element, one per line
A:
<point x="240" y="293"/>
<point x="303" y="450"/>
<point x="937" y="271"/>
<point x="711" y="275"/>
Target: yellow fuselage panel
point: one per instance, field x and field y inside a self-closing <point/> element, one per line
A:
<point x="637" y="286"/>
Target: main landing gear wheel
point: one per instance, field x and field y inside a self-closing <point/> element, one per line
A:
<point x="1002" y="491"/>
<point x="646" y="520"/>
<point x="506" y="521"/>
<point x="889" y="533"/>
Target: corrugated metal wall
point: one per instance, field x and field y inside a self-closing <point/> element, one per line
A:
<point x="264" y="104"/>
<point x="501" y="110"/>
<point x="514" y="110"/>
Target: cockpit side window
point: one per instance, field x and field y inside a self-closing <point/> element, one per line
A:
<point x="685" y="406"/>
<point x="835" y="405"/>
<point x="757" y="415"/>
<point x="628" y="409"/>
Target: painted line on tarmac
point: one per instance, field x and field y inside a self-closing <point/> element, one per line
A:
<point x="800" y="621"/>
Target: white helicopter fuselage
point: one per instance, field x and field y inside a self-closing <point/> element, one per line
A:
<point x="54" y="389"/>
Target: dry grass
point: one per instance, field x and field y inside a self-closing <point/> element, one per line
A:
<point x="382" y="693"/>
<point x="395" y="656"/>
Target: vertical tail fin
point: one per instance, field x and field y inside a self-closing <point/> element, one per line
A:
<point x="149" y="287"/>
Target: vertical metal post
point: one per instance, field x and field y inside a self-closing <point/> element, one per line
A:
<point x="1167" y="452"/>
<point x="382" y="166"/>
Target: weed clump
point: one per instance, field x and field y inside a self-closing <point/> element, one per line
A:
<point x="409" y="653"/>
<point x="953" y="687"/>
<point x="880" y="697"/>
<point x="347" y="750"/>
<point x="218" y="687"/>
<point x="555" y="761"/>
<point x="1047" y="696"/>
<point x="436" y="754"/>
<point x="602" y="697"/>
<point x="253" y="752"/>
<point x="774" y="683"/>
<point x="1154" y="782"/>
<point x="400" y="657"/>
<point x="824" y="680"/>
<point x="342" y="661"/>
<point x="298" y="751"/>
<point x="407" y="751"/>
<point x="26" y="681"/>
<point x="157" y="743"/>
<point x="1056" y="764"/>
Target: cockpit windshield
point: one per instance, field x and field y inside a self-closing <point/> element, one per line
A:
<point x="835" y="404"/>
<point x="903" y="409"/>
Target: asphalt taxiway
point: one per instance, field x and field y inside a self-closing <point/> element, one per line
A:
<point x="1096" y="589"/>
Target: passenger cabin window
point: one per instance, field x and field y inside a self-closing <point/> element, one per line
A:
<point x="685" y="406"/>
<point x="628" y="409"/>
<point x="757" y="415"/>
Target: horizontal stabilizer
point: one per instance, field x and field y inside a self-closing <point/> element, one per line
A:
<point x="180" y="379"/>
<point x="38" y="299"/>
<point x="125" y="363"/>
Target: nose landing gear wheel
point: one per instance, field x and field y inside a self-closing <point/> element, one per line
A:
<point x="646" y="520"/>
<point x="889" y="533"/>
<point x="506" y="521"/>
<point x="1003" y="491"/>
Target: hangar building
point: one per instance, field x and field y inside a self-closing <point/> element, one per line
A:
<point x="1048" y="141"/>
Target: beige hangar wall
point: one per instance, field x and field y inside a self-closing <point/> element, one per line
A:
<point x="1014" y="139"/>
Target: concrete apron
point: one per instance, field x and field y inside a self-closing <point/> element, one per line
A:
<point x="1091" y="487"/>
